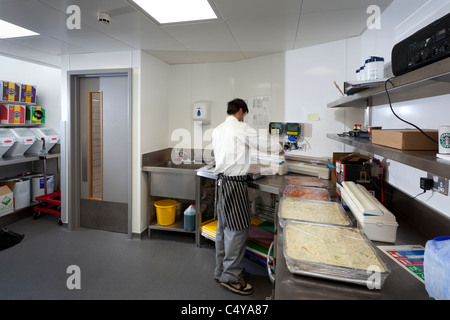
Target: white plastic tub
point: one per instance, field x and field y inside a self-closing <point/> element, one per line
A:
<point x="7" y="140"/>
<point x="43" y="134"/>
<point x="24" y="140"/>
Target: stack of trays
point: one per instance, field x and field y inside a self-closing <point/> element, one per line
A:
<point x="261" y="235"/>
<point x="319" y="239"/>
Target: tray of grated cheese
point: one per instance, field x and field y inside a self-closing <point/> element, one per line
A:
<point x="326" y="212"/>
<point x="333" y="252"/>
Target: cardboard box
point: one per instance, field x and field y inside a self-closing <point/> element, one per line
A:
<point x="406" y="139"/>
<point x="6" y="201"/>
<point x="28" y="93"/>
<point x="12" y="114"/>
<point x="11" y="91"/>
<point x="21" y="192"/>
<point x="35" y="115"/>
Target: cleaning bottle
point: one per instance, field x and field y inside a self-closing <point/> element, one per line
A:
<point x="189" y="218"/>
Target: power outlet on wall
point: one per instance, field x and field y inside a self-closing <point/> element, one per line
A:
<point x="440" y="185"/>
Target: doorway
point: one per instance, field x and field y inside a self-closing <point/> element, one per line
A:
<point x="99" y="161"/>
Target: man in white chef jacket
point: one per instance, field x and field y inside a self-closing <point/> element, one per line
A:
<point x="232" y="142"/>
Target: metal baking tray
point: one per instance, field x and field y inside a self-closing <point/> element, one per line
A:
<point x="331" y="271"/>
<point x="282" y="218"/>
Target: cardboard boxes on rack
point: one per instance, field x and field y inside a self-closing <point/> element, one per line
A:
<point x="35" y="115"/>
<point x="6" y="201"/>
<point x="17" y="92"/>
<point x="28" y="93"/>
<point x="10" y="91"/>
<point x="12" y="114"/>
<point x="406" y="139"/>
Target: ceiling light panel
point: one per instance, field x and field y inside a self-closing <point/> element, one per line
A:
<point x="176" y="11"/>
<point x="9" y="30"/>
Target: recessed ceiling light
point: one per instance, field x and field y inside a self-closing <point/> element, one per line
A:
<point x="173" y="11"/>
<point x="9" y="30"/>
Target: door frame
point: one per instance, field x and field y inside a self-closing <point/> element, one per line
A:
<point x="73" y="141"/>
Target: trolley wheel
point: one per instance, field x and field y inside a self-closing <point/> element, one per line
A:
<point x="60" y="222"/>
<point x="36" y="215"/>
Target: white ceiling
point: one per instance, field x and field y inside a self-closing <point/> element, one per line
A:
<point x="247" y="29"/>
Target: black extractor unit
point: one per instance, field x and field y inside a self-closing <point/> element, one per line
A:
<point x="424" y="47"/>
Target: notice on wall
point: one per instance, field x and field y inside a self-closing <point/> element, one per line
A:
<point x="409" y="257"/>
<point x="260" y="110"/>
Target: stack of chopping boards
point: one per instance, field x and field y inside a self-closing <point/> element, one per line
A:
<point x="260" y="236"/>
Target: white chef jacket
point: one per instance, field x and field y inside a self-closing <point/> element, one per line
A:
<point x="232" y="141"/>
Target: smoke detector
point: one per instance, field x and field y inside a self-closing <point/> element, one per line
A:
<point x="104" y="17"/>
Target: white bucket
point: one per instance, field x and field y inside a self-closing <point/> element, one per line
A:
<point x="38" y="186"/>
<point x="21" y="193"/>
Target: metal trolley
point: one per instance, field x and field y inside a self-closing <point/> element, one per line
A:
<point x="48" y="203"/>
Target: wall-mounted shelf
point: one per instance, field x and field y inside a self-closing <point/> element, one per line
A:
<point x="438" y="72"/>
<point x="18" y="103"/>
<point x="422" y="160"/>
<point x="6" y="161"/>
<point x="19" y="125"/>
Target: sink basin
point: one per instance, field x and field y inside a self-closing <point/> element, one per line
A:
<point x="170" y="164"/>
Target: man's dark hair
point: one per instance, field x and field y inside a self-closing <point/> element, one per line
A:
<point x="235" y="105"/>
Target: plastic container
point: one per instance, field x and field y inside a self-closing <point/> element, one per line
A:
<point x="376" y="227"/>
<point x="166" y="212"/>
<point x="366" y="69"/>
<point x="43" y="134"/>
<point x="358" y="75"/>
<point x="189" y="218"/>
<point x="436" y="265"/>
<point x="24" y="140"/>
<point x="375" y="68"/>
<point x="37" y="185"/>
<point x="7" y="140"/>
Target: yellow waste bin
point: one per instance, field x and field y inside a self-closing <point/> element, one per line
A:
<point x="166" y="212"/>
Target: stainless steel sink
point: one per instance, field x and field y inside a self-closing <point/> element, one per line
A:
<point x="171" y="180"/>
<point x="172" y="165"/>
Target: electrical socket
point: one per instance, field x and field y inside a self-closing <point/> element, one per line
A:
<point x="440" y="185"/>
<point x="426" y="184"/>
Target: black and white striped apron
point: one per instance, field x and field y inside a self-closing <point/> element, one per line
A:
<point x="232" y="202"/>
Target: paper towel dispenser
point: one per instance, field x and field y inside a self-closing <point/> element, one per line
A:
<point x="202" y="111"/>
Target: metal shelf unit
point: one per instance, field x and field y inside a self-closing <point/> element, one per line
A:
<point x="423" y="160"/>
<point x="6" y="161"/>
<point x="18" y="103"/>
<point x="436" y="74"/>
<point x="431" y="80"/>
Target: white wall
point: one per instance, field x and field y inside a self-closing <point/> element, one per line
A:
<point x="310" y="76"/>
<point x="300" y="82"/>
<point x="154" y="129"/>
<point x="400" y="20"/>
<point x="47" y="80"/>
<point x="220" y="83"/>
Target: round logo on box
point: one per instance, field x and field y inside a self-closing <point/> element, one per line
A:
<point x="445" y="140"/>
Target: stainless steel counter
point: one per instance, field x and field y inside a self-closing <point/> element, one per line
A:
<point x="270" y="184"/>
<point x="399" y="284"/>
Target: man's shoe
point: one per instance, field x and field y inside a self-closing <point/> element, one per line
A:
<point x="239" y="287"/>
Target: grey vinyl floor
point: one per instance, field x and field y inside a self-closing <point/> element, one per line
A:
<point x="169" y="266"/>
